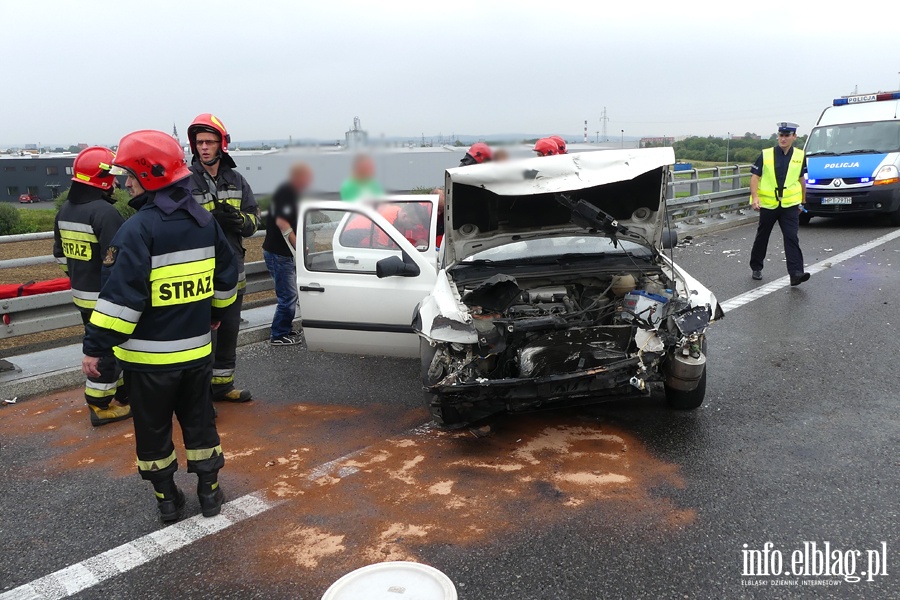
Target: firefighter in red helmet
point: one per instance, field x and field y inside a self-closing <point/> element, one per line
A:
<point x="477" y="153"/>
<point x="560" y="143"/>
<point x="546" y="147"/>
<point x="84" y="227"/>
<point x="219" y="188"/>
<point x="169" y="276"/>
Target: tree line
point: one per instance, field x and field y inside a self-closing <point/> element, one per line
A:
<point x="742" y="149"/>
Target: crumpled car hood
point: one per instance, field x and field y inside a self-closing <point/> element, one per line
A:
<point x="493" y="204"/>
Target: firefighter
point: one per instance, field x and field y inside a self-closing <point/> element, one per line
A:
<point x="169" y="274"/>
<point x="84" y="227"/>
<point x="560" y="144"/>
<point x="220" y="189"/>
<point x="546" y="147"/>
<point x="478" y="153"/>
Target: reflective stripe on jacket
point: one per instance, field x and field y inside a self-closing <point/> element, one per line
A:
<point x="792" y="194"/>
<point x="168" y="279"/>
<point x="84" y="227"/>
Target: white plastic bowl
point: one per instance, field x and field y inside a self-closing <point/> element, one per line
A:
<point x="398" y="580"/>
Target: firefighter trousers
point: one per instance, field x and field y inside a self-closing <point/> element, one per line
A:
<point x="157" y="395"/>
<point x="100" y="391"/>
<point x="224" y="341"/>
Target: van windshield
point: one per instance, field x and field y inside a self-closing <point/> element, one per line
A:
<point x="878" y="137"/>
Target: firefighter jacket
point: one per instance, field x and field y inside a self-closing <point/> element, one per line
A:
<point x="229" y="190"/>
<point x="167" y="274"/>
<point x="84" y="227"/>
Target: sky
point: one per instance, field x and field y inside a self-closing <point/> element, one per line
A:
<point x="91" y="71"/>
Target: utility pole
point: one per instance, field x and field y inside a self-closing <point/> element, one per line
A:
<point x="727" y="146"/>
<point x="598" y="137"/>
<point x="585" y="131"/>
<point x="603" y="121"/>
<point x="623" y="138"/>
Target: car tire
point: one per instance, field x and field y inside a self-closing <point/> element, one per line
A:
<point x="681" y="400"/>
<point x="805" y="218"/>
<point x="895" y="218"/>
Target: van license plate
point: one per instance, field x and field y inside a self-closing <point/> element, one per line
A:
<point x="837" y="200"/>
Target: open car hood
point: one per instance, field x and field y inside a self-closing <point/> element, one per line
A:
<point x="493" y="204"/>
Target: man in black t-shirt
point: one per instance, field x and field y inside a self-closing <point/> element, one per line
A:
<point x="278" y="252"/>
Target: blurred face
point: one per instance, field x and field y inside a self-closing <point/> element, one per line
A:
<point x="301" y="177"/>
<point x="133" y="186"/>
<point x="786" y="140"/>
<point x="364" y="169"/>
<point x="207" y="145"/>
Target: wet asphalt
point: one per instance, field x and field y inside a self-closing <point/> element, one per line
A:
<point x="795" y="443"/>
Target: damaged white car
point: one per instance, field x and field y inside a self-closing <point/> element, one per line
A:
<point x="551" y="288"/>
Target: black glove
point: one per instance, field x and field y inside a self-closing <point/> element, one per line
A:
<point x="230" y="219"/>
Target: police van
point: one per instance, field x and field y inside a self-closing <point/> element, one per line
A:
<point x="853" y="158"/>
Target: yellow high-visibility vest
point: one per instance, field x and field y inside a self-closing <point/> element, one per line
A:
<point x="792" y="194"/>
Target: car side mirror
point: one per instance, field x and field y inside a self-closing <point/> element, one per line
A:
<point x="394" y="266"/>
<point x="669" y="238"/>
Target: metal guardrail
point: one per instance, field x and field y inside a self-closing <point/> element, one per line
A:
<point x="45" y="312"/>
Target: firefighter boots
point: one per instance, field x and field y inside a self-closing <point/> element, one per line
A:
<point x="169" y="500"/>
<point x="114" y="412"/>
<point x="210" y="495"/>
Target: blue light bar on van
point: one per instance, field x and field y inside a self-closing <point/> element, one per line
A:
<point x="866" y="98"/>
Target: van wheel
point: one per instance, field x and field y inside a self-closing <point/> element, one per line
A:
<point x="805" y="218"/>
<point x="895" y="218"/>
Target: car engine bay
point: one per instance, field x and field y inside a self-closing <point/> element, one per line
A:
<point x="540" y="327"/>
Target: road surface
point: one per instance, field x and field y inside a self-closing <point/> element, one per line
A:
<point x="334" y="466"/>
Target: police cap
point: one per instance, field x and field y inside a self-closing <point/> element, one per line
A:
<point x="786" y="127"/>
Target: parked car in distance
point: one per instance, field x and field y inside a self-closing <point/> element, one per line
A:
<point x="28" y="198"/>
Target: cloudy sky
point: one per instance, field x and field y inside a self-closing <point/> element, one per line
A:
<point x="90" y="71"/>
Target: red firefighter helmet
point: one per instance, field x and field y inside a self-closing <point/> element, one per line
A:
<point x="93" y="167"/>
<point x="481" y="152"/>
<point x="208" y="122"/>
<point x="154" y="158"/>
<point x="546" y="147"/>
<point x="561" y="143"/>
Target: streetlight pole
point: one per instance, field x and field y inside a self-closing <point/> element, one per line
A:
<point x="623" y="138"/>
<point x="727" y="146"/>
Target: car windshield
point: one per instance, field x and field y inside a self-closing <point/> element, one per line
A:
<point x="555" y="247"/>
<point x="880" y="137"/>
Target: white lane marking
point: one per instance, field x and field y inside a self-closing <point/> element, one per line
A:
<point x="121" y="559"/>
<point x="774" y="286"/>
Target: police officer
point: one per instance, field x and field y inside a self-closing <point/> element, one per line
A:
<point x="478" y="153"/>
<point x="220" y="189"/>
<point x="84" y="227"/>
<point x="778" y="192"/>
<point x="168" y="276"/>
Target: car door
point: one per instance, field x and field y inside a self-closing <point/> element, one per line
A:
<point x="344" y="305"/>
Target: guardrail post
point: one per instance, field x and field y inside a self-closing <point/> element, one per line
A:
<point x="695" y="182"/>
<point x="736" y="182"/>
<point x="717" y="182"/>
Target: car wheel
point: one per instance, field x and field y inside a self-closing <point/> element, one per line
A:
<point x="895" y="218"/>
<point x="687" y="400"/>
<point x="805" y="218"/>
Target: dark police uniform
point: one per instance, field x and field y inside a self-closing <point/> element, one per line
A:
<point x="228" y="192"/>
<point x="84" y="227"/>
<point x="167" y="273"/>
<point x="780" y="195"/>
